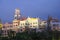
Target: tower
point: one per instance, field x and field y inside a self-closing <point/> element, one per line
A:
<point x="16" y="19"/>
<point x="48" y="23"/>
<point x="17" y="14"/>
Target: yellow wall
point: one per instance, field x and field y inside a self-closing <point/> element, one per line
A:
<point x="1" y="25"/>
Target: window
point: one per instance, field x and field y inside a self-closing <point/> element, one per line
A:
<point x="30" y="26"/>
<point x="11" y="26"/>
<point x="34" y="22"/>
<point x="3" y="26"/>
<point x="34" y="26"/>
<point x="16" y="25"/>
<point x="21" y="30"/>
<point x="23" y="23"/>
<point x="20" y="27"/>
<point x="27" y="23"/>
<point x="55" y="24"/>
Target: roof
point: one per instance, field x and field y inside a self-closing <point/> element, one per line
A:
<point x="32" y="18"/>
<point x="23" y="18"/>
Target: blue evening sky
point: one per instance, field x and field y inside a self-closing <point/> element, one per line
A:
<point x="32" y="8"/>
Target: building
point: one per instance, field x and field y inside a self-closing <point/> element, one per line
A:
<point x="20" y="24"/>
<point x="43" y="24"/>
<point x="55" y="25"/>
<point x="16" y="20"/>
<point x="7" y="26"/>
<point x="15" y="25"/>
<point x="30" y="22"/>
<point x="33" y="22"/>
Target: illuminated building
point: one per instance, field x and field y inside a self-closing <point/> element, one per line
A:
<point x="16" y="19"/>
<point x="15" y="24"/>
<point x="55" y="24"/>
<point x="22" y="25"/>
<point x="7" y="26"/>
<point x="33" y="22"/>
<point x="43" y="24"/>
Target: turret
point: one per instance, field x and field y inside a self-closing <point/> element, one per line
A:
<point x="17" y="14"/>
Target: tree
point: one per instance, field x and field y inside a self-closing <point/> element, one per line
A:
<point x="23" y="36"/>
<point x="11" y="34"/>
<point x="56" y="34"/>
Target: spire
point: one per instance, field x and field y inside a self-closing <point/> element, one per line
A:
<point x="17" y="14"/>
<point x="48" y="23"/>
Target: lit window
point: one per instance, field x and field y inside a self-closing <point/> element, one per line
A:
<point x="35" y="23"/>
<point x="33" y="26"/>
<point x="27" y="24"/>
<point x="23" y="23"/>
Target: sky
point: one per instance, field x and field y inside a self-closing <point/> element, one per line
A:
<point x="32" y="8"/>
